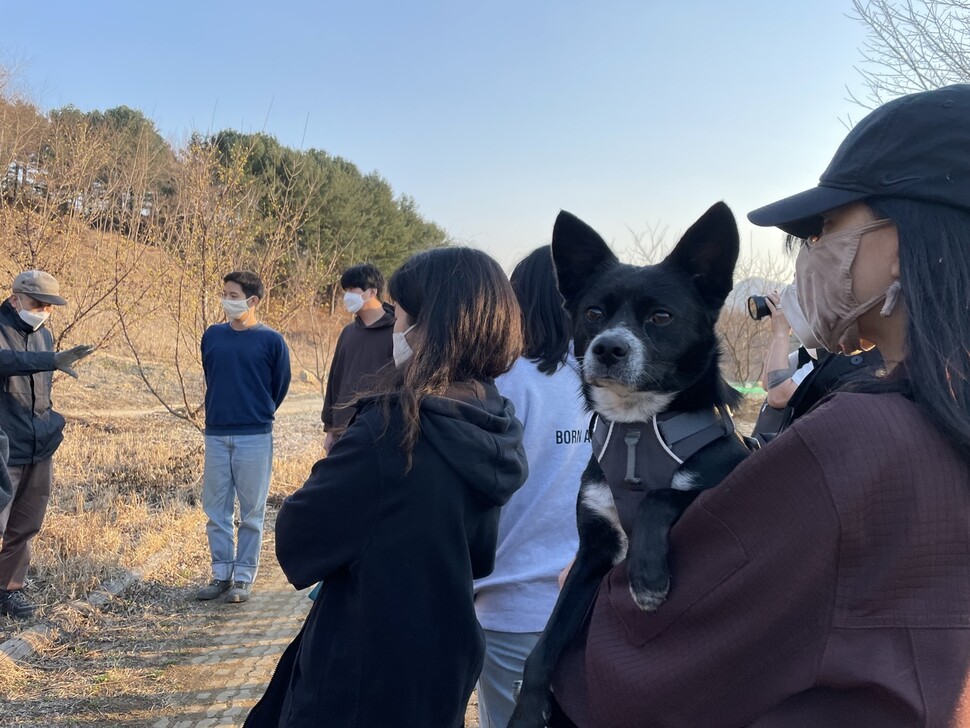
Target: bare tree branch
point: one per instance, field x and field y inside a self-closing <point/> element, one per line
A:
<point x="911" y="46"/>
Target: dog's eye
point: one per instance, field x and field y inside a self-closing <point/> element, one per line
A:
<point x="594" y="314"/>
<point x="661" y="318"/>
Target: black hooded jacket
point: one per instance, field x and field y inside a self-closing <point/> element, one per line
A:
<point x="35" y="430"/>
<point x="392" y="638"/>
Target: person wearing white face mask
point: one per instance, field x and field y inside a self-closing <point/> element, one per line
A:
<point x="402" y="348"/>
<point x="796" y="381"/>
<point x="28" y="421"/>
<point x="247" y="374"/>
<point x="402" y="514"/>
<point x="364" y="347"/>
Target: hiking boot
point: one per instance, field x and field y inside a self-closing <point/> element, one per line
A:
<point x="215" y="588"/>
<point x="240" y="592"/>
<point x="14" y="603"/>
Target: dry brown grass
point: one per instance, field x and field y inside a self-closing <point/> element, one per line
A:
<point x="127" y="488"/>
<point x="109" y="666"/>
<point x="127" y="484"/>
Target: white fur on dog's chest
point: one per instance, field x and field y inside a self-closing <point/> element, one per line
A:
<point x="597" y="497"/>
<point x="623" y="405"/>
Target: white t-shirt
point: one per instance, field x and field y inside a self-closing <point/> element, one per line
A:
<point x="537" y="529"/>
<point x="803" y="371"/>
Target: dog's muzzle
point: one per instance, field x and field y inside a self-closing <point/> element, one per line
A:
<point x="610" y="349"/>
<point x="616" y="356"/>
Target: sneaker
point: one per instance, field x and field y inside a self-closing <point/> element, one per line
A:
<point x="14" y="603"/>
<point x="240" y="592"/>
<point x="215" y="588"/>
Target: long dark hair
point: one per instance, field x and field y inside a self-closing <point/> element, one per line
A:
<point x="545" y="324"/>
<point x="466" y="328"/>
<point x="934" y="263"/>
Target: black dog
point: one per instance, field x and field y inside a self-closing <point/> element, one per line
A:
<point x="662" y="431"/>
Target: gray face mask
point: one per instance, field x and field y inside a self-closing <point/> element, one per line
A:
<point x="402" y="349"/>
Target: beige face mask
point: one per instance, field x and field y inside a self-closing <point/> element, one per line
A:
<point x="823" y="278"/>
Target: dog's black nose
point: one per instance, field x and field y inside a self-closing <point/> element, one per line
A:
<point x="610" y="349"/>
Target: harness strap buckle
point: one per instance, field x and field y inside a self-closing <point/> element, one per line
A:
<point x="631" y="438"/>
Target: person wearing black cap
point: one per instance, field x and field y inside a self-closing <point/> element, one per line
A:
<point x="826" y="581"/>
<point x="33" y="428"/>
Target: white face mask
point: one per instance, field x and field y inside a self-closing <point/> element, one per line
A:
<point x="34" y="320"/>
<point x="402" y="349"/>
<point x="235" y="309"/>
<point x="796" y="319"/>
<point x="353" y="302"/>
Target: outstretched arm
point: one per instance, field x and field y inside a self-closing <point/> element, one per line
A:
<point x="16" y="363"/>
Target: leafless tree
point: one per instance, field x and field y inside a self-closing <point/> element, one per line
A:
<point x="53" y="193"/>
<point x="204" y="232"/>
<point x="649" y="246"/>
<point x="911" y="46"/>
<point x="208" y="228"/>
<point x="744" y="340"/>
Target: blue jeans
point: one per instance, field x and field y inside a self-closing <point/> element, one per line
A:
<point x="505" y="654"/>
<point x="236" y="467"/>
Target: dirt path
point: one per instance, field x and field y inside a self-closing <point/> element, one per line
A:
<point x="156" y="658"/>
<point x="226" y="674"/>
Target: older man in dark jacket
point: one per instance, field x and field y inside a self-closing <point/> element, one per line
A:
<point x="33" y="428"/>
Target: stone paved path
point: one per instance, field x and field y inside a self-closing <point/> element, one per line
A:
<point x="229" y="675"/>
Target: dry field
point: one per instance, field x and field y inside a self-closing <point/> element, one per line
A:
<point x="127" y="496"/>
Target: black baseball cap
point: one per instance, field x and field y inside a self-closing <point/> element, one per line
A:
<point x="915" y="147"/>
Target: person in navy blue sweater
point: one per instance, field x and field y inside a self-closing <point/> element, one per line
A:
<point x="247" y="373"/>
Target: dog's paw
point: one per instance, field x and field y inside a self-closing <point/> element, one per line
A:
<point x="649" y="599"/>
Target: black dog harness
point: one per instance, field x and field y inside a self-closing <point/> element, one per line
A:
<point x="637" y="457"/>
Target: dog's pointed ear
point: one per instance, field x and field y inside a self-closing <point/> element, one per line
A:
<point x="578" y="252"/>
<point x="708" y="253"/>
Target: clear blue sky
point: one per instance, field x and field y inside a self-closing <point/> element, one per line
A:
<point x="492" y="115"/>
